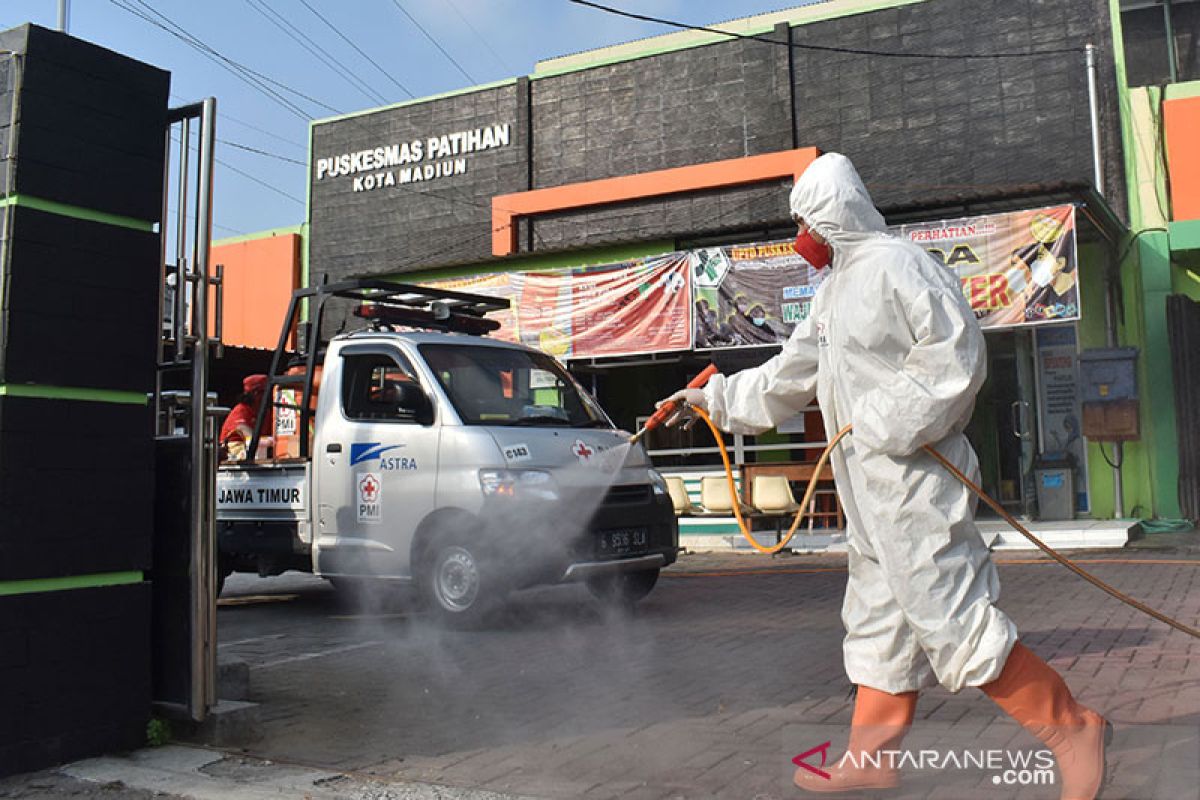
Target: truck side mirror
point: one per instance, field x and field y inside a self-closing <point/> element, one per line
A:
<point x="411" y="398"/>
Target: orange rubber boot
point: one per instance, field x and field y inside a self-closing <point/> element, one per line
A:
<point x="1032" y="693"/>
<point x="879" y="723"/>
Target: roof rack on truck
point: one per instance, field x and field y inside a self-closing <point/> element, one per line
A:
<point x="383" y="304"/>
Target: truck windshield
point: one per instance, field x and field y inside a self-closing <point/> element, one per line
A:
<point x="509" y="386"/>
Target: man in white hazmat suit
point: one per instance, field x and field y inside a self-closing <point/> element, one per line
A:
<point x="892" y="347"/>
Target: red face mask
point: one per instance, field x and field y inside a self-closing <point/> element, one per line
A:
<point x="812" y="251"/>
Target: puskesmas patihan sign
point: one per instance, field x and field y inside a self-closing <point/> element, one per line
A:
<point x="415" y="161"/>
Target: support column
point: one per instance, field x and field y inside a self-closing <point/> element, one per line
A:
<point x="1158" y="399"/>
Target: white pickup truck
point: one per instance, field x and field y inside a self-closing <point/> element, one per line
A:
<point x="464" y="466"/>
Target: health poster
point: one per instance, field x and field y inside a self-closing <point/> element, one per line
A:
<point x="750" y="295"/>
<point x="1017" y="268"/>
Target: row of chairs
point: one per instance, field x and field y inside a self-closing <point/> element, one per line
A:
<point x="770" y="495"/>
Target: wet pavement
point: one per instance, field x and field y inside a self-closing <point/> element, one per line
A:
<point x="707" y="689"/>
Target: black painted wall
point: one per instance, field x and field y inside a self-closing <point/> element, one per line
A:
<point x="921" y="130"/>
<point x="88" y="127"/>
<point x="76" y="488"/>
<point x="80" y="127"/>
<point x="74" y="674"/>
<point x="80" y="307"/>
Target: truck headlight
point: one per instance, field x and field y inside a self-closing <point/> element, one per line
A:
<point x="657" y="482"/>
<point x="518" y="483"/>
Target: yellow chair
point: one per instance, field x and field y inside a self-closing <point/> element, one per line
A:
<point x="716" y="499"/>
<point x="679" y="496"/>
<point x="772" y="494"/>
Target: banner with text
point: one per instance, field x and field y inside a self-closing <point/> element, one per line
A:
<point x="640" y="306"/>
<point x="626" y="308"/>
<point x="751" y="294"/>
<point x="1016" y="268"/>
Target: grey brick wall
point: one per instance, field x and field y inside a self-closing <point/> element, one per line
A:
<point x="922" y="131"/>
<point x="709" y="103"/>
<point x="415" y="226"/>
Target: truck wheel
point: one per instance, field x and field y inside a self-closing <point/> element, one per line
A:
<point x="623" y="588"/>
<point x="460" y="587"/>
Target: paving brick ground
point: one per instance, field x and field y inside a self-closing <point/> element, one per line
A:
<point x="706" y="690"/>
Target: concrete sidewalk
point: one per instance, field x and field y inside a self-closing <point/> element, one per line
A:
<point x="179" y="772"/>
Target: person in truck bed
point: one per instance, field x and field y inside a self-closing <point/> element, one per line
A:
<point x="239" y="425"/>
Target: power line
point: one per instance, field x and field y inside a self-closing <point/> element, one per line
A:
<point x="213" y="56"/>
<point x="228" y="64"/>
<point x="822" y="48"/>
<point x="318" y="52"/>
<point x="503" y="64"/>
<point x="429" y="36"/>
<point x="284" y="139"/>
<point x="260" y="181"/>
<point x="230" y="118"/>
<point x="172" y="210"/>
<point x="244" y="174"/>
<point x="357" y="49"/>
<point x="253" y="72"/>
<point x="255" y="150"/>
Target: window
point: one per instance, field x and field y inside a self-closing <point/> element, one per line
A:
<point x="510" y="386"/>
<point x="1161" y="41"/>
<point x="373" y="385"/>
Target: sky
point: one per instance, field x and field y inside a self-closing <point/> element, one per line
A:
<point x="389" y="51"/>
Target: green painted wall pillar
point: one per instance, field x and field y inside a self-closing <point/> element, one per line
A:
<point x="1158" y="399"/>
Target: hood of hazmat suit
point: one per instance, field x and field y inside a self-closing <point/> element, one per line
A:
<point x="891" y="346"/>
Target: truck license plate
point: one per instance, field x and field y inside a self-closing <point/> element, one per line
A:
<point x="622" y="542"/>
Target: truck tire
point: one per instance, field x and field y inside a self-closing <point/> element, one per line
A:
<point x="460" y="587"/>
<point x="623" y="588"/>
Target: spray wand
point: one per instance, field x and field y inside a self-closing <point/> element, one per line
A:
<point x="665" y="411"/>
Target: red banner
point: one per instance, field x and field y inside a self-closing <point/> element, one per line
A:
<point x="641" y="306"/>
<point x="632" y="307"/>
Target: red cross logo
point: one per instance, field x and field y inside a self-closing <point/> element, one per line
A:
<point x="582" y="451"/>
<point x="368" y="488"/>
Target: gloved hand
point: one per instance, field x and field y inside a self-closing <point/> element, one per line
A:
<point x="686" y="400"/>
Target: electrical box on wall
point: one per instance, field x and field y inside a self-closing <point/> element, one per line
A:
<point x="1108" y="388"/>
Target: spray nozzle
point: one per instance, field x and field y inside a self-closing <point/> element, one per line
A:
<point x="665" y="411"/>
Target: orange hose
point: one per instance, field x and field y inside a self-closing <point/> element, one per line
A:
<point x="999" y="509"/>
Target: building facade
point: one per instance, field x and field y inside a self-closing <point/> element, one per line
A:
<point x="959" y="115"/>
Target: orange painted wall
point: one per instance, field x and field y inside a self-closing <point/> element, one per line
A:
<point x="260" y="275"/>
<point x="1181" y="118"/>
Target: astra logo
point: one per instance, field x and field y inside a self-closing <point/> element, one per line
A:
<point x="369" y="451"/>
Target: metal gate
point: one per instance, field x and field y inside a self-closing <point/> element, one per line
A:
<point x="1183" y="326"/>
<point x="184" y="613"/>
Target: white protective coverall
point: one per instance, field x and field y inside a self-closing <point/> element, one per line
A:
<point x="892" y="347"/>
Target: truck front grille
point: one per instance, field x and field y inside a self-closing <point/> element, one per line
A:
<point x="627" y="495"/>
